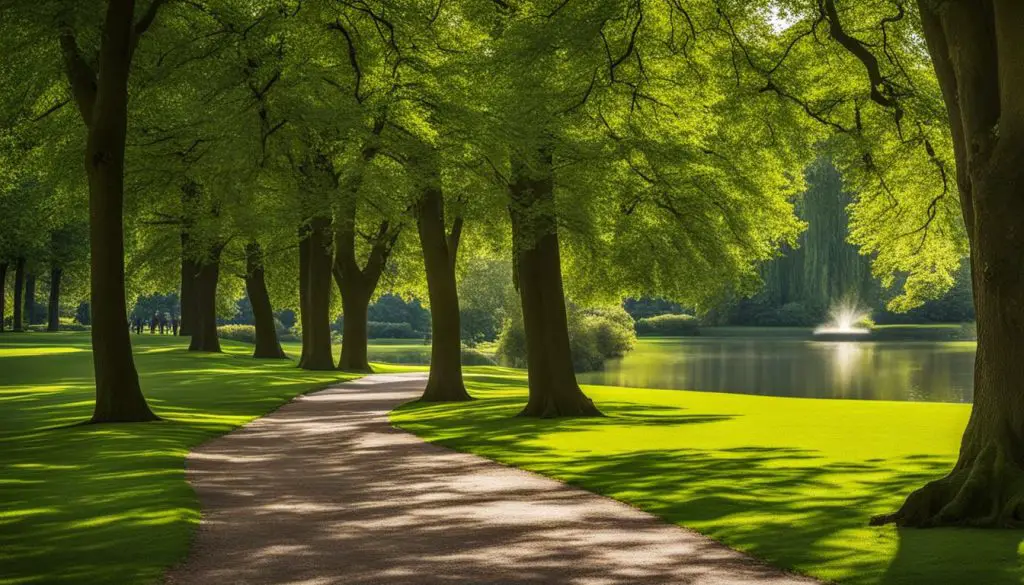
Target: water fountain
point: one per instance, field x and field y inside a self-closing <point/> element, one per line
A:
<point x="844" y="324"/>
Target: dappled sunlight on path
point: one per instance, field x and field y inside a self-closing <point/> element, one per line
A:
<point x="325" y="491"/>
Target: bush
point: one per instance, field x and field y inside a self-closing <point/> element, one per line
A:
<point x="243" y="333"/>
<point x="381" y="330"/>
<point x="595" y="335"/>
<point x="668" y="326"/>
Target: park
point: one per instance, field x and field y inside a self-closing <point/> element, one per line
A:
<point x="511" y="291"/>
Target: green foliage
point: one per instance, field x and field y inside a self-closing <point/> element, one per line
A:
<point x="668" y="326"/>
<point x="650" y="307"/>
<point x="379" y="330"/>
<point x="390" y="308"/>
<point x="595" y="335"/>
<point x="242" y="333"/>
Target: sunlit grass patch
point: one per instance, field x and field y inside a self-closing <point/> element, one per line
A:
<point x="109" y="503"/>
<point x="792" y="481"/>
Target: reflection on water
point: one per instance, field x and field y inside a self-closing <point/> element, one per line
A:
<point x="936" y="371"/>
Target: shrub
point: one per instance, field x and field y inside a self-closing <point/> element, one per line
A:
<point x="668" y="326"/>
<point x="382" y="330"/>
<point x="243" y="333"/>
<point x="595" y="335"/>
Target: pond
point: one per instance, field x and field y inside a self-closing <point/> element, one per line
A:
<point x="792" y="363"/>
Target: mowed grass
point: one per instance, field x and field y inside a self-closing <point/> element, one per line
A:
<point x="791" y="481"/>
<point x="109" y="504"/>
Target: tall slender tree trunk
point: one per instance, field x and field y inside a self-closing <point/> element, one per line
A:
<point x="30" y="298"/>
<point x="187" y="300"/>
<point x="19" y="285"/>
<point x="440" y="250"/>
<point x="187" y="322"/>
<point x="553" y="391"/>
<point x="979" y="61"/>
<point x="204" y="337"/>
<point x="53" y="307"/>
<point x="304" y="292"/>
<point x="320" y="355"/>
<point x="102" y="97"/>
<point x="3" y="295"/>
<point x="267" y="345"/>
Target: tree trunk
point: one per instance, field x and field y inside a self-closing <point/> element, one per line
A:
<point x="53" y="308"/>
<point x="553" y="388"/>
<point x="355" y="304"/>
<point x="30" y="299"/>
<point x="304" y="292"/>
<point x="445" y="382"/>
<point x="267" y="345"/>
<point x="189" y="271"/>
<point x="320" y="355"/>
<point x="979" y="60"/>
<point x="204" y="337"/>
<point x="19" y="286"/>
<point x="3" y="295"/>
<point x="118" y="394"/>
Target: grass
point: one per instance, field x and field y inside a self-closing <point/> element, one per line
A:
<point x="109" y="504"/>
<point x="792" y="481"/>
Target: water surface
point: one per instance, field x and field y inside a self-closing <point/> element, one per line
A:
<point x="796" y="365"/>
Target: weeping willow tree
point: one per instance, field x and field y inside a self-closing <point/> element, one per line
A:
<point x="824" y="268"/>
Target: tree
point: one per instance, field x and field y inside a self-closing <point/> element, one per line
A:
<point x="615" y="141"/>
<point x="17" y="325"/>
<point x="978" y="58"/>
<point x="102" y="99"/>
<point x="903" y="114"/>
<point x="440" y="250"/>
<point x="267" y="345"/>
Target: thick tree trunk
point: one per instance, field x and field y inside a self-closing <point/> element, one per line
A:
<point x="986" y="486"/>
<point x="102" y="99"/>
<point x="19" y="286"/>
<point x="553" y="388"/>
<point x="30" y="299"/>
<point x="304" y="292"/>
<point x="3" y="295"/>
<point x="979" y="62"/>
<point x="355" y="303"/>
<point x="267" y="345"/>
<point x="320" y="355"/>
<point x="445" y="383"/>
<point x="204" y="337"/>
<point x="53" y="307"/>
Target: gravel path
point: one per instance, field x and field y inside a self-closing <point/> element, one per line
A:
<point x="325" y="491"/>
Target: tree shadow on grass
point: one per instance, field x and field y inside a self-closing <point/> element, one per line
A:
<point x="108" y="503"/>
<point x="791" y="507"/>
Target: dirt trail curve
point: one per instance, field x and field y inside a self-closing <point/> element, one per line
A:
<point x="324" y="491"/>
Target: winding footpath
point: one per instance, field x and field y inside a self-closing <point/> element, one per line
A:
<point x="325" y="491"/>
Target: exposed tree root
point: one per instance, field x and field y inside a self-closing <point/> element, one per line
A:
<point x="576" y="404"/>
<point x="445" y="393"/>
<point x="985" y="492"/>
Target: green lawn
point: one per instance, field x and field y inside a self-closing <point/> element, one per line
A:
<point x="108" y="504"/>
<point x="792" y="481"/>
